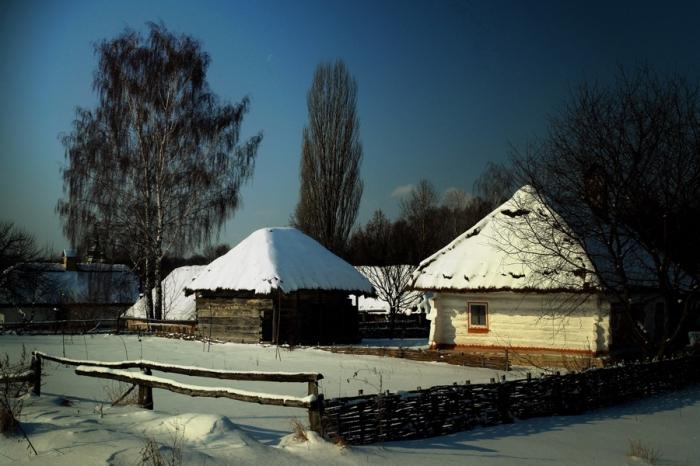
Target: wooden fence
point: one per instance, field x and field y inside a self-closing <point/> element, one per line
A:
<point x="74" y="326"/>
<point x="146" y="382"/>
<point x="402" y="329"/>
<point x="182" y="327"/>
<point x="442" y="410"/>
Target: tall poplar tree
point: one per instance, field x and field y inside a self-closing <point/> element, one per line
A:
<point x="331" y="188"/>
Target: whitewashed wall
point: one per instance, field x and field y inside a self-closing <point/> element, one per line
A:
<point x="524" y="320"/>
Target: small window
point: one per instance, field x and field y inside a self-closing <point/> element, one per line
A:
<point x="478" y="317"/>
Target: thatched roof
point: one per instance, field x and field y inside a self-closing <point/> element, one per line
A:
<point x="510" y="250"/>
<point x="279" y="258"/>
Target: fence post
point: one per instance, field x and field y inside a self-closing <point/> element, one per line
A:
<point x="316" y="415"/>
<point x="313" y="387"/>
<point x="35" y="366"/>
<point x="146" y="393"/>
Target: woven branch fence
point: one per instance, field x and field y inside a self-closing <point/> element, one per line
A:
<point x="446" y="409"/>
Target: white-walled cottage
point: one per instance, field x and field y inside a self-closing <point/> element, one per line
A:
<point x="494" y="289"/>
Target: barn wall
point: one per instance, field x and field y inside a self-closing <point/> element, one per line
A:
<point x="232" y="319"/>
<point x="528" y="321"/>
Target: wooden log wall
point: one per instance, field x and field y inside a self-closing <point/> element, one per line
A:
<point x="442" y="410"/>
<point x="304" y="317"/>
<point x="232" y="319"/>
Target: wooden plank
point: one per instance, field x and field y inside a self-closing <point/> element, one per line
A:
<point x="229" y="312"/>
<point x="192" y="390"/>
<point x="236" y="321"/>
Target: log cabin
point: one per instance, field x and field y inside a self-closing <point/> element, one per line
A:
<point x="279" y="285"/>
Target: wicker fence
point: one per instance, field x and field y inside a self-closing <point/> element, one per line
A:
<point x="442" y="410"/>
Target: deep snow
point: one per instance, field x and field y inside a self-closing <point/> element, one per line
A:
<point x="222" y="431"/>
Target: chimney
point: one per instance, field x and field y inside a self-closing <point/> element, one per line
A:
<point x="70" y="260"/>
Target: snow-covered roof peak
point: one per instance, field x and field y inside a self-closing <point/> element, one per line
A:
<point x="507" y="250"/>
<point x="280" y="258"/>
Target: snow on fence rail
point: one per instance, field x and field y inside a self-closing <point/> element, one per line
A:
<point x="190" y="370"/>
<point x="147" y="382"/>
<point x="26" y="376"/>
<point x="442" y="410"/>
<point x="195" y="390"/>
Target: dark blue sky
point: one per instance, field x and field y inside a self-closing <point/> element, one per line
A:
<point x="444" y="87"/>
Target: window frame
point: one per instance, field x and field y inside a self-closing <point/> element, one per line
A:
<point x="475" y="328"/>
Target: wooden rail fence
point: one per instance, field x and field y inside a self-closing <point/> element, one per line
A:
<point x="411" y="414"/>
<point x="147" y="382"/>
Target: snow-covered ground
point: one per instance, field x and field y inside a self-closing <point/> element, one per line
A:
<point x="223" y="431"/>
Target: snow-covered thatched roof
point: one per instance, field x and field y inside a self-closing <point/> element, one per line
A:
<point x="280" y="258"/>
<point x="512" y="248"/>
<point x="176" y="305"/>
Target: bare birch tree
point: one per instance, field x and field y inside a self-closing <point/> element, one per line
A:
<point x="331" y="188"/>
<point x="158" y="163"/>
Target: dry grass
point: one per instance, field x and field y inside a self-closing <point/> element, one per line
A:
<point x="340" y="442"/>
<point x="299" y="431"/>
<point x="638" y="449"/>
<point x="155" y="454"/>
<point x="116" y="391"/>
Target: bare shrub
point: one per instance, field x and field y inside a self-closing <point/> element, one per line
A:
<point x="121" y="394"/>
<point x="299" y="431"/>
<point x="638" y="449"/>
<point x="8" y="422"/>
<point x="11" y="392"/>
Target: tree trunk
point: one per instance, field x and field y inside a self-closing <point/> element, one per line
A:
<point x="158" y="301"/>
<point x="392" y="321"/>
<point x="148" y="285"/>
<point x="158" y="241"/>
